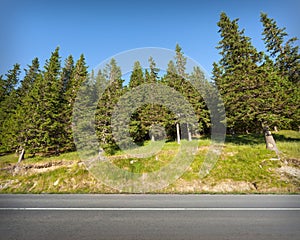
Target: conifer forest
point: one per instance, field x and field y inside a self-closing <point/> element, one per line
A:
<point x="258" y="88"/>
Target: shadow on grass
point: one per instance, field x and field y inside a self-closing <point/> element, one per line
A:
<point x="249" y="139"/>
<point x="253" y="139"/>
<point x="282" y="137"/>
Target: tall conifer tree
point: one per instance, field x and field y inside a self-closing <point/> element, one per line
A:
<point x="235" y="75"/>
<point x="49" y="106"/>
<point x="286" y="53"/>
<point x="8" y="105"/>
<point x="111" y="76"/>
<point x="25" y="113"/>
<point x="73" y="78"/>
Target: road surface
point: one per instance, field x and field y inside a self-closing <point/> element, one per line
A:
<point x="149" y="217"/>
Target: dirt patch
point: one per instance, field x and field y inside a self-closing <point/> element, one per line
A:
<point x="8" y="183"/>
<point x="203" y="148"/>
<point x="225" y="186"/>
<point x="291" y="171"/>
<point x="293" y="161"/>
<point x="231" y="186"/>
<point x="21" y="169"/>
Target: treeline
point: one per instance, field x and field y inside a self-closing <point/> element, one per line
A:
<point x="36" y="112"/>
<point x="258" y="89"/>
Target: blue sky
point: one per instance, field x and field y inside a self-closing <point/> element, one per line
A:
<point x="101" y="29"/>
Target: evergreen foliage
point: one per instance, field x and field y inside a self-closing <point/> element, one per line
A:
<point x="285" y="53"/>
<point x="40" y="112"/>
<point x="110" y="80"/>
<point x="253" y="90"/>
<point x="72" y="77"/>
<point x="8" y="105"/>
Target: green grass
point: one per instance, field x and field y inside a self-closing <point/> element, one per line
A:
<point x="8" y="159"/>
<point x="70" y="156"/>
<point x="244" y="160"/>
<point x="146" y="164"/>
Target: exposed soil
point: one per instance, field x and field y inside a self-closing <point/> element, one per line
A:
<point x="21" y="169"/>
<point x="225" y="186"/>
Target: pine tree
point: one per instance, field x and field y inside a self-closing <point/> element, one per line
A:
<point x="236" y="76"/>
<point x="137" y="76"/>
<point x="286" y="61"/>
<point x="177" y="78"/>
<point x="48" y="107"/>
<point x="286" y="53"/>
<point x="180" y="61"/>
<point x="12" y="79"/>
<point x="2" y="88"/>
<point x="30" y="77"/>
<point x="198" y="96"/>
<point x="22" y="116"/>
<point x="8" y="105"/>
<point x="67" y="80"/>
<point x="83" y="123"/>
<point x="67" y="73"/>
<point x="111" y="77"/>
<point x="25" y="110"/>
<point x="274" y="107"/>
<point x="254" y="92"/>
<point x="153" y="74"/>
<point x="137" y="130"/>
<point x="152" y="114"/>
<point x="73" y="77"/>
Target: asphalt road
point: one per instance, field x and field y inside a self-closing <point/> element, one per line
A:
<point x="149" y="217"/>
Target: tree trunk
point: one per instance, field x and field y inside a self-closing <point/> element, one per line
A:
<point x="270" y="142"/>
<point x="189" y="133"/>
<point x="152" y="138"/>
<point x="178" y="133"/>
<point x="21" y="157"/>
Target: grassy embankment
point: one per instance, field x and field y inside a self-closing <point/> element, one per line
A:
<point x="245" y="166"/>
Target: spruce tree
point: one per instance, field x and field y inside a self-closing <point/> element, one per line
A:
<point x="152" y="114"/>
<point x="137" y="76"/>
<point x="285" y="53"/>
<point x="137" y="129"/>
<point x="2" y="88"/>
<point x="49" y="106"/>
<point x="26" y="109"/>
<point x="72" y="77"/>
<point x="177" y="78"/>
<point x="29" y="78"/>
<point x="197" y="98"/>
<point x="67" y="73"/>
<point x="111" y="77"/>
<point x="180" y="61"/>
<point x="8" y="105"/>
<point x="153" y="74"/>
<point x="83" y="123"/>
<point x="236" y="76"/>
<point x="253" y="90"/>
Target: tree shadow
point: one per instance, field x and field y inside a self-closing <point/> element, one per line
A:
<point x="254" y="139"/>
<point x="249" y="139"/>
<point x="283" y="138"/>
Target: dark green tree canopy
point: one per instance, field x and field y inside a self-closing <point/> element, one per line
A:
<point x="40" y="108"/>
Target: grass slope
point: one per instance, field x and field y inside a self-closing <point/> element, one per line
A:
<point x="245" y="166"/>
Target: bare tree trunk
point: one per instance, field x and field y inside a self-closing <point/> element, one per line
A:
<point x="189" y="133"/>
<point x="21" y="157"/>
<point x="270" y="142"/>
<point x="178" y="133"/>
<point x="152" y="138"/>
